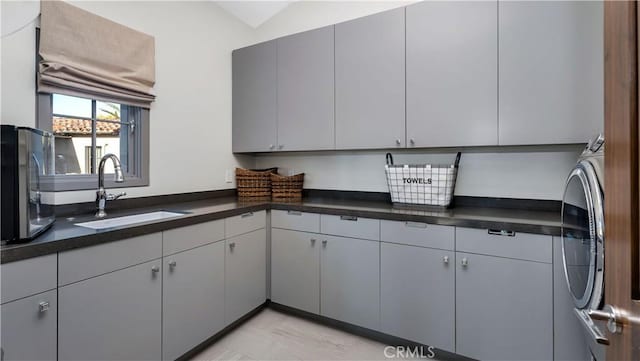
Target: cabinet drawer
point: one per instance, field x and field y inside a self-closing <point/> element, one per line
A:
<point x="83" y="263"/>
<point x="245" y="223"/>
<point x="418" y="234"/>
<point x="294" y="220"/>
<point x="526" y="246"/>
<point x="183" y="238"/>
<point x="349" y="226"/>
<point x="29" y="328"/>
<point x="28" y="277"/>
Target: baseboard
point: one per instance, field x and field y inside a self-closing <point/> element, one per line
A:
<point x="368" y="333"/>
<point x="232" y="326"/>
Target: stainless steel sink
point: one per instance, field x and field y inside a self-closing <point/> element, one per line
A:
<point x="129" y="220"/>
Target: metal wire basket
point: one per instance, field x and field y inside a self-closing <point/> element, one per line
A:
<point x="423" y="184"/>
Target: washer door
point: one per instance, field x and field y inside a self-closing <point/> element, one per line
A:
<point x="582" y="241"/>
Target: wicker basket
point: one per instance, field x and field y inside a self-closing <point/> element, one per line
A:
<point x="254" y="184"/>
<point x="287" y="188"/>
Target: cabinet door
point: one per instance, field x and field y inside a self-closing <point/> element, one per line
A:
<point x="417" y="298"/>
<point x="551" y="71"/>
<point x="370" y="81"/>
<point x="569" y="342"/>
<point x="305" y="91"/>
<point x="116" y="316"/>
<point x="452" y="73"/>
<point x="29" y="328"/>
<point x="295" y="269"/>
<point x="192" y="298"/>
<point x="504" y="308"/>
<point x="245" y="274"/>
<point x="254" y="98"/>
<point x="350" y="281"/>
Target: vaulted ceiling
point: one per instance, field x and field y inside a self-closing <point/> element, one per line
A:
<point x="253" y="13"/>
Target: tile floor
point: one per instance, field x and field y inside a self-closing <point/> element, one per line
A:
<point x="272" y="335"/>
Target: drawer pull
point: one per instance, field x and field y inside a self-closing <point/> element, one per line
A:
<point x="501" y="232"/>
<point x="43" y="306"/>
<point x="349" y="218"/>
<point x="445" y="259"/>
<point x="313" y="242"/>
<point x="324" y="242"/>
<point x="155" y="269"/>
<point x="247" y="215"/>
<point x="415" y="224"/>
<point x="232" y="245"/>
<point x="464" y="262"/>
<point x="294" y="213"/>
<point x="173" y="264"/>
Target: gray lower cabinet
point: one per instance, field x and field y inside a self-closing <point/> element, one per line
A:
<point x="254" y="98"/>
<point x="417" y="294"/>
<point x="569" y="342"/>
<point x="551" y="71"/>
<point x="306" y="90"/>
<point x="245" y="274"/>
<point x="350" y="280"/>
<point x="295" y="269"/>
<point x="452" y="94"/>
<point x="370" y="81"/>
<point x="29" y="328"/>
<point x="192" y="298"/>
<point x="504" y="308"/>
<point x="115" y="316"/>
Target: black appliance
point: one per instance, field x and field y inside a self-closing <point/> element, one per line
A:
<point x="27" y="163"/>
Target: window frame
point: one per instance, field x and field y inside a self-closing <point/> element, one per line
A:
<point x="138" y="169"/>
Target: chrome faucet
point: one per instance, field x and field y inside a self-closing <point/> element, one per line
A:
<point x="101" y="195"/>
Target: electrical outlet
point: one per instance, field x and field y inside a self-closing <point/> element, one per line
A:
<point x="228" y="176"/>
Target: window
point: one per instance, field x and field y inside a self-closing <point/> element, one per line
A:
<point x="86" y="129"/>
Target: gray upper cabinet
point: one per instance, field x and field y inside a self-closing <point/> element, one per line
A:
<point x="504" y="308"/>
<point x="29" y="328"/>
<point x="295" y="269"/>
<point x="192" y="298"/>
<point x="306" y="90"/>
<point x="115" y="316"/>
<point x="452" y="73"/>
<point x="245" y="274"/>
<point x="417" y="297"/>
<point x="254" y="98"/>
<point x="551" y="71"/>
<point x="369" y="79"/>
<point x="350" y="281"/>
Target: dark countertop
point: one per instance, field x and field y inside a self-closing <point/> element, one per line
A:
<point x="64" y="235"/>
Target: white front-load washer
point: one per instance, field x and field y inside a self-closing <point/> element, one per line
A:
<point x="583" y="243"/>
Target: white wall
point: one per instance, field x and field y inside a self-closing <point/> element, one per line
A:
<point x="525" y="172"/>
<point x="191" y="118"/>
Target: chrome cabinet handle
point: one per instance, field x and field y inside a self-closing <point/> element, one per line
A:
<point x="501" y="232"/>
<point x="464" y="262"/>
<point x="155" y="269"/>
<point x="313" y="242"/>
<point x="415" y="224"/>
<point x="43" y="306"/>
<point x="445" y="259"/>
<point x="271" y="146"/>
<point x="398" y="142"/>
<point x="324" y="242"/>
<point x="172" y="264"/>
<point x="412" y="141"/>
<point x="349" y="218"/>
<point x="232" y="245"/>
<point x="281" y="146"/>
<point x="248" y="214"/>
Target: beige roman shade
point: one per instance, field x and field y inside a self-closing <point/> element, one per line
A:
<point x="87" y="55"/>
